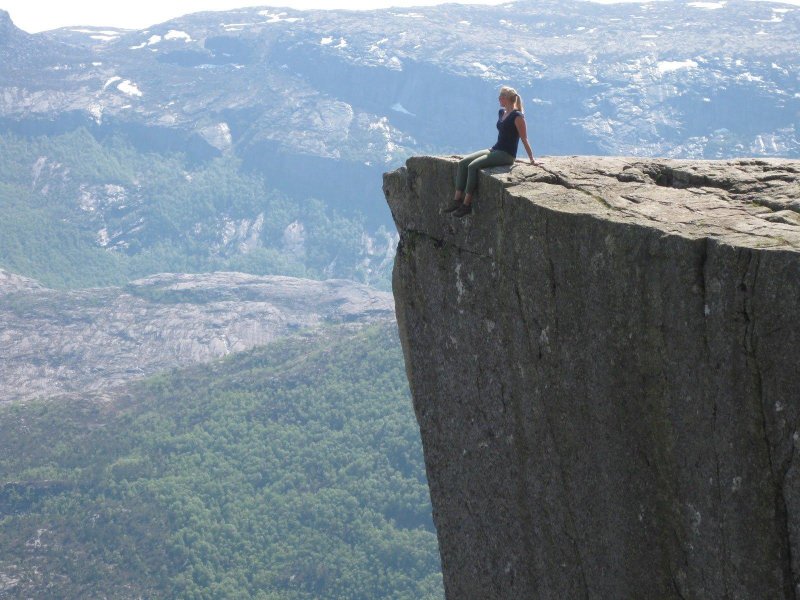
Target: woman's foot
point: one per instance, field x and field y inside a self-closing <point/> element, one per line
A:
<point x="458" y="199"/>
<point x="463" y="210"/>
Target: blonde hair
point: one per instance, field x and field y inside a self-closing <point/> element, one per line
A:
<point x="511" y="93"/>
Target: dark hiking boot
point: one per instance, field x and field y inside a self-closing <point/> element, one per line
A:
<point x="463" y="210"/>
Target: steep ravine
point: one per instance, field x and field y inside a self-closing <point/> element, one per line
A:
<point x="603" y="359"/>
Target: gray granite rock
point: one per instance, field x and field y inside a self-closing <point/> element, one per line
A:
<point x="603" y="359"/>
<point x="56" y="342"/>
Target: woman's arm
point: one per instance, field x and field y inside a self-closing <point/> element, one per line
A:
<point x="522" y="129"/>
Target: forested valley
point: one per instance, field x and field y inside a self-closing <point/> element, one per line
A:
<point x="292" y="471"/>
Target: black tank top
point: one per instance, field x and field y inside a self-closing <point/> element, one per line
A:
<point x="507" y="134"/>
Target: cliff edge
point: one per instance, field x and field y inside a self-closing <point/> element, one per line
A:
<point x="603" y="360"/>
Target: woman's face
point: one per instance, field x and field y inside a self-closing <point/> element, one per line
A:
<point x="505" y="102"/>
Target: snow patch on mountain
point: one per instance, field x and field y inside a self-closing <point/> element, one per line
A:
<point x="129" y="88"/>
<point x="776" y="18"/>
<point x="151" y="41"/>
<point x="749" y="77"/>
<point x="109" y="33"/>
<point x="667" y="66"/>
<point x="764" y="144"/>
<point x="174" y="34"/>
<point x="487" y="71"/>
<point x="101" y="35"/>
<point x="111" y="80"/>
<point x="707" y="5"/>
<point x="278" y="17"/>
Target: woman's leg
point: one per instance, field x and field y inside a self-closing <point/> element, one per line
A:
<point x="463" y="165"/>
<point x="492" y="158"/>
<point x="461" y="179"/>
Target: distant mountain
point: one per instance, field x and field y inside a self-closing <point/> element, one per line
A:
<point x="306" y="88"/>
<point x="317" y="104"/>
<point x="80" y="211"/>
<point x="95" y="340"/>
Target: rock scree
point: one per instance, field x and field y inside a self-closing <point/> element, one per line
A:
<point x="603" y="360"/>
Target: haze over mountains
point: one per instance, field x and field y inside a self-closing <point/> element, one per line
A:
<point x="317" y="104"/>
<point x="367" y="86"/>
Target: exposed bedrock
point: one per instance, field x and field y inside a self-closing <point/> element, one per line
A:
<point x="56" y="342"/>
<point x="604" y="362"/>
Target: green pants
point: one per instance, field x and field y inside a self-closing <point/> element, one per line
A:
<point x="468" y="167"/>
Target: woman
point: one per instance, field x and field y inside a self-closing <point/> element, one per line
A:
<point x="510" y="130"/>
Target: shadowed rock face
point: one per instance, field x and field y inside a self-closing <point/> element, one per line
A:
<point x="603" y="359"/>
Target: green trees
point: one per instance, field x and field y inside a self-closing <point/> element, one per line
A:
<point x="292" y="472"/>
<point x="85" y="212"/>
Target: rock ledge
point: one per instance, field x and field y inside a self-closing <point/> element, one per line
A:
<point x="603" y="362"/>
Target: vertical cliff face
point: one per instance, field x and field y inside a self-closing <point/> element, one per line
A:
<point x="604" y="361"/>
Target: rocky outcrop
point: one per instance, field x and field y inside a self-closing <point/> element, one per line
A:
<point x="91" y="340"/>
<point x="603" y="359"/>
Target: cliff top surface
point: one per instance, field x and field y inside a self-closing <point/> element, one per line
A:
<point x="746" y="202"/>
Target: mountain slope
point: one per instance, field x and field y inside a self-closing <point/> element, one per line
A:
<point x="80" y="211"/>
<point x="292" y="472"/>
<point x="94" y="340"/>
<point x="356" y="86"/>
<point x="255" y="139"/>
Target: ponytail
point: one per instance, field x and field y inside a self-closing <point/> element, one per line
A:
<point x="510" y="92"/>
